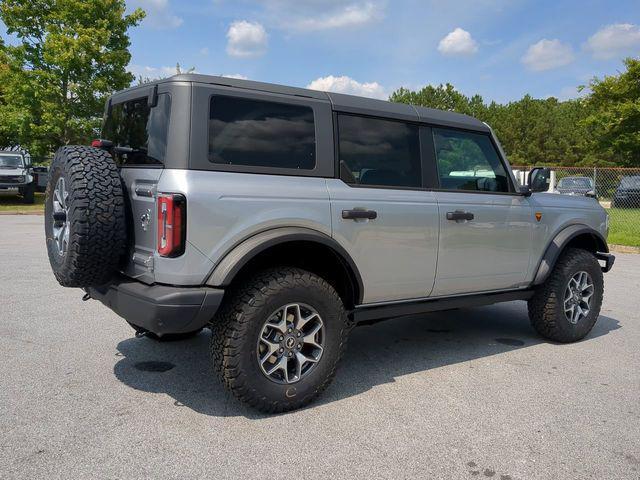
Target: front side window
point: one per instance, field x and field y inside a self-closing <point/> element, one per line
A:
<point x="468" y="161"/>
<point x="376" y="152"/>
<point x="142" y="130"/>
<point x="259" y="133"/>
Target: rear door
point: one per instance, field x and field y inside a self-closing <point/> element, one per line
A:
<point x="485" y="226"/>
<point x="137" y="124"/>
<point x="380" y="212"/>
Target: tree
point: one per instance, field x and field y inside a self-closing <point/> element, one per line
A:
<point x="70" y="55"/>
<point x="614" y="123"/>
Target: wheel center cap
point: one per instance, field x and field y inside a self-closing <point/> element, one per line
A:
<point x="290" y="342"/>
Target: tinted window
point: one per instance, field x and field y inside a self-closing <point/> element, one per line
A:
<point x="261" y="134"/>
<point x="135" y="125"/>
<point x="378" y="152"/>
<point x="468" y="161"/>
<point x="10" y="161"/>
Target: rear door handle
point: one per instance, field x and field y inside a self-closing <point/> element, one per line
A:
<point x="459" y="215"/>
<point x="359" y="214"/>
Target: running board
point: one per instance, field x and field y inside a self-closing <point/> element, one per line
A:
<point x="363" y="313"/>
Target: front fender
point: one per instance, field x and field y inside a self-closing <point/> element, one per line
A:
<point x="558" y="244"/>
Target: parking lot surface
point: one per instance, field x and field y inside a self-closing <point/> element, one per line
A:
<point x="469" y="393"/>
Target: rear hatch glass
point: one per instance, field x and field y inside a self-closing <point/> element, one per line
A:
<point x="139" y="129"/>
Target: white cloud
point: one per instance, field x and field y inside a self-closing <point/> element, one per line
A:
<point x="458" y="43"/>
<point x="235" y="75"/>
<point x="152" y="73"/>
<point x="350" y="86"/>
<point x="547" y="55"/>
<point x="246" y="39"/>
<point x="204" y="51"/>
<point x="348" y="16"/>
<point x="159" y="14"/>
<point x="615" y="41"/>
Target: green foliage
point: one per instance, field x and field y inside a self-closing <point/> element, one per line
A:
<point x="70" y="55"/>
<point x="602" y="128"/>
<point x="615" y="118"/>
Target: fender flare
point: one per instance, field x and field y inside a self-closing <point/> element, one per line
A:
<point x="557" y="245"/>
<point x="233" y="261"/>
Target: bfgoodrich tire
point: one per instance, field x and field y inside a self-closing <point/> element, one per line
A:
<point x="84" y="216"/>
<point x="565" y="308"/>
<point x="267" y="310"/>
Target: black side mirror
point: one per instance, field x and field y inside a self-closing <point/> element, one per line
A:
<point x="539" y="179"/>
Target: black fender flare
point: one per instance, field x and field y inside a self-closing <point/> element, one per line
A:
<point x="559" y="242"/>
<point x="233" y="261"/>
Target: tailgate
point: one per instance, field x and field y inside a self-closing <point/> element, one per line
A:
<point x="140" y="191"/>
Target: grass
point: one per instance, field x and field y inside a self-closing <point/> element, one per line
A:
<point x="11" y="202"/>
<point x="624" y="226"/>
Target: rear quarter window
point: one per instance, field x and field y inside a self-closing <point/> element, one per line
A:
<point x="258" y="133"/>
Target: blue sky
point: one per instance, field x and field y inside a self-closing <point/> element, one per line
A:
<point x="499" y="48"/>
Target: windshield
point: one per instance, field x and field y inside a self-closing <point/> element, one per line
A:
<point x="135" y="125"/>
<point x="573" y="182"/>
<point x="631" y="182"/>
<point x="10" y="161"/>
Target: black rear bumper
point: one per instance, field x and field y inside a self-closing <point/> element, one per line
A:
<point x="159" y="309"/>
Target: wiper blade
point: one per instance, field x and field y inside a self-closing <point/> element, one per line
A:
<point x="121" y="150"/>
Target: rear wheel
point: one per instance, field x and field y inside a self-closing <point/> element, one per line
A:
<point x="277" y="340"/>
<point x="566" y="307"/>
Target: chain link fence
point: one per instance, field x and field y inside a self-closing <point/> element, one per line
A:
<point x="617" y="190"/>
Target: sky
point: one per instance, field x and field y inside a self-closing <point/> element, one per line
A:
<point x="501" y="49"/>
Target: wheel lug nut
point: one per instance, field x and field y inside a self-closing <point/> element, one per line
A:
<point x="299" y="334"/>
<point x="281" y="350"/>
<point x="299" y="346"/>
<point x="281" y="338"/>
<point x="289" y="330"/>
<point x="291" y="354"/>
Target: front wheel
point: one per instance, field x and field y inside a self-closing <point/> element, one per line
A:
<point x="277" y="340"/>
<point x="566" y="307"/>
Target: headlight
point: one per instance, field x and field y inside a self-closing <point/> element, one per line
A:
<point x="22" y="178"/>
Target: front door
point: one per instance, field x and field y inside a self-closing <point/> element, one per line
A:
<point x="380" y="213"/>
<point x="485" y="226"/>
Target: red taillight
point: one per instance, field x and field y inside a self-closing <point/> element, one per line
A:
<point x="96" y="143"/>
<point x="172" y="223"/>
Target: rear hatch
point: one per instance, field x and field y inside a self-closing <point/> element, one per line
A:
<point x="138" y="130"/>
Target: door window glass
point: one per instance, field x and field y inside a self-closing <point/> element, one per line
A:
<point x="378" y="152"/>
<point x="468" y="161"/>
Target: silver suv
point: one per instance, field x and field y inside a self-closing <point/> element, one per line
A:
<point x="281" y="217"/>
<point x="16" y="172"/>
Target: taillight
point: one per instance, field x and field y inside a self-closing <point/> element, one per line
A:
<point x="172" y="224"/>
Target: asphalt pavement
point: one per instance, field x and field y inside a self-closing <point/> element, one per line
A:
<point x="466" y="394"/>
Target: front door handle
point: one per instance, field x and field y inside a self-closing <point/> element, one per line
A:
<point x="359" y="214"/>
<point x="459" y="215"/>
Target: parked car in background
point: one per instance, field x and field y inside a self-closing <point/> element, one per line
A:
<point x="15" y="173"/>
<point x="628" y="192"/>
<point x="575" y="186"/>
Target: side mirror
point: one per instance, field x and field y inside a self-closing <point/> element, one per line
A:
<point x="590" y="193"/>
<point x="539" y="179"/>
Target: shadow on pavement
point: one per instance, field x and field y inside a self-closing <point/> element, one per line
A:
<point x="413" y="344"/>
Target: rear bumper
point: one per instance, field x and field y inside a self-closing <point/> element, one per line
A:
<point x="160" y="309"/>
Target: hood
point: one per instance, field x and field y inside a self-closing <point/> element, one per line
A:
<point x="9" y="172"/>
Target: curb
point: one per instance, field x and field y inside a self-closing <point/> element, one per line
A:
<point x="18" y="212"/>
<point x="623" y="249"/>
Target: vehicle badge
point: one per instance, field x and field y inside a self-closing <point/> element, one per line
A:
<point x="145" y="219"/>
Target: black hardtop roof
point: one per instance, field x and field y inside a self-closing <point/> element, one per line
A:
<point x="339" y="101"/>
<point x="11" y="152"/>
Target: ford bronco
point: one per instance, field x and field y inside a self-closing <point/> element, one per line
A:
<point x="281" y="217"/>
<point x="16" y="173"/>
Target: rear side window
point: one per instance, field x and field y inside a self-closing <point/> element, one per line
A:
<point x="261" y="134"/>
<point x="378" y="152"/>
<point x="468" y="161"/>
<point x="135" y="125"/>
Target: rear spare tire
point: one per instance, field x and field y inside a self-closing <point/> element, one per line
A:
<point x="84" y="216"/>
